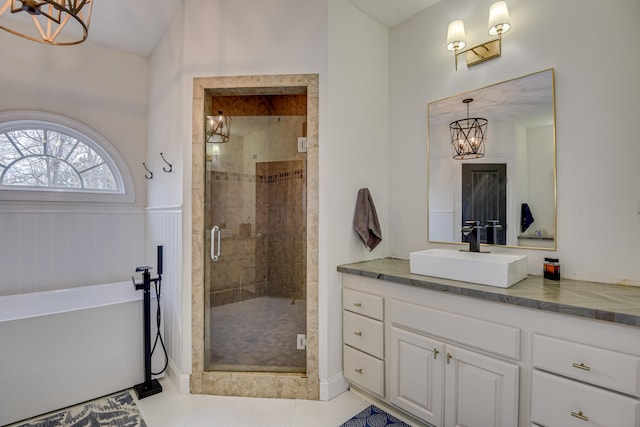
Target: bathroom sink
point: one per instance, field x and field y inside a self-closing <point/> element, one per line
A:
<point x="500" y="270"/>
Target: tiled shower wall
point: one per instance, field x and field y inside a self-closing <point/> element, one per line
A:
<point x="233" y="277"/>
<point x="280" y="198"/>
<point x="258" y="201"/>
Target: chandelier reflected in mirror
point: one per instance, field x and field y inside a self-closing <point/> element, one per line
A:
<point x="55" y="22"/>
<point x="468" y="136"/>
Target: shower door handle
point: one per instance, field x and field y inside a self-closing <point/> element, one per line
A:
<point x="215" y="230"/>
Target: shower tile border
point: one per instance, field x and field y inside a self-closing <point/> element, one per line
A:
<point x="284" y="385"/>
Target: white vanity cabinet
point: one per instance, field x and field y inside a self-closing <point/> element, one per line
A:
<point x="581" y="385"/>
<point x="506" y="358"/>
<point x="363" y="340"/>
<point x="446" y="384"/>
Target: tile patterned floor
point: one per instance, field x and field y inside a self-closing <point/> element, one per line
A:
<point x="258" y="335"/>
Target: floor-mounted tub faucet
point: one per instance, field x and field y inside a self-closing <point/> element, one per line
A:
<point x="470" y="230"/>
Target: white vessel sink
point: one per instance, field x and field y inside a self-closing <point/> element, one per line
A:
<point x="500" y="270"/>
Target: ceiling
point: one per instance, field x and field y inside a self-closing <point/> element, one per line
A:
<point x="528" y="100"/>
<point x="392" y="12"/>
<point x="137" y="26"/>
<point x="133" y="26"/>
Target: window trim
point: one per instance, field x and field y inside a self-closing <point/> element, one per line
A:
<point x="87" y="136"/>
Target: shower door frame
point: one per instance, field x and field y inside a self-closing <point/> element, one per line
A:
<point x="253" y="384"/>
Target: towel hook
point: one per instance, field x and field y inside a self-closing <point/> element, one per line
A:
<point x="151" y="173"/>
<point x="170" y="165"/>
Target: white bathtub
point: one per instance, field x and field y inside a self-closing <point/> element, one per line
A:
<point x="60" y="348"/>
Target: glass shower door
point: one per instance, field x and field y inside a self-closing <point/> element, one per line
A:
<point x="255" y="271"/>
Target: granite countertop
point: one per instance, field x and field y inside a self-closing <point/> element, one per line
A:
<point x="600" y="301"/>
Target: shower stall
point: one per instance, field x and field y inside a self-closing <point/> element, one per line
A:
<point x="255" y="254"/>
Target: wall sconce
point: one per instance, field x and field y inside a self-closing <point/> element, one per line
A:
<point x="468" y="136"/>
<point x="499" y="23"/>
<point x="215" y="151"/>
<point x="212" y="151"/>
<point x="218" y="128"/>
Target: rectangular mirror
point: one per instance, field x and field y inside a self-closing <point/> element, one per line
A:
<point x="509" y="185"/>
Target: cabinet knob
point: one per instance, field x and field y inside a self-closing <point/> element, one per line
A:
<point x="579" y="416"/>
<point x="358" y="370"/>
<point x="357" y="304"/>
<point x="357" y="333"/>
<point x="581" y="366"/>
<point x="449" y="357"/>
<point x="435" y="353"/>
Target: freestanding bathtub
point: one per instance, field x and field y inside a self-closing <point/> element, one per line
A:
<point x="60" y="348"/>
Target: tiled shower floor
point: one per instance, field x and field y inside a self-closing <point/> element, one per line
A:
<point x="257" y="335"/>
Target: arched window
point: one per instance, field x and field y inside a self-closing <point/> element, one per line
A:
<point x="49" y="157"/>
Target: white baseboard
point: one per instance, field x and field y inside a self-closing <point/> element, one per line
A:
<point x="333" y="387"/>
<point x="180" y="380"/>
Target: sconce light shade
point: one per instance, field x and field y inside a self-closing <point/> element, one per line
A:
<point x="468" y="136"/>
<point x="55" y="22"/>
<point x="455" y="36"/>
<point x="499" y="21"/>
<point x="218" y="128"/>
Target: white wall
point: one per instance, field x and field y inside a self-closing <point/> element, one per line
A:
<point x="596" y="108"/>
<point x="53" y="245"/>
<point x="211" y="39"/>
<point x="165" y="224"/>
<point x="354" y="155"/>
<point x="103" y="88"/>
<point x="349" y="52"/>
<point x="540" y="157"/>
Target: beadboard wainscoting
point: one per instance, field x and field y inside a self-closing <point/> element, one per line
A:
<point x="164" y="227"/>
<point x="61" y="246"/>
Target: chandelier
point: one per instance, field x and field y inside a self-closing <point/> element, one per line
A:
<point x="468" y="136"/>
<point x="55" y="22"/>
<point x="218" y="128"/>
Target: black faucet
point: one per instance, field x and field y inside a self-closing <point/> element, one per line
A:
<point x="493" y="225"/>
<point x="470" y="230"/>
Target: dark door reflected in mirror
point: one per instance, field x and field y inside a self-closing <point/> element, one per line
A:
<point x="484" y="199"/>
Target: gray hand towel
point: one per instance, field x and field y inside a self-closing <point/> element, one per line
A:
<point x="365" y="220"/>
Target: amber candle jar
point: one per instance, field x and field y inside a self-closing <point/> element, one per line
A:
<point x="551" y="268"/>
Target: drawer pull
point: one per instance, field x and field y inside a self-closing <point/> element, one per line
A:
<point x="579" y="416"/>
<point x="581" y="366"/>
<point x="357" y="304"/>
<point x="435" y="353"/>
<point x="359" y="371"/>
<point x="357" y="333"/>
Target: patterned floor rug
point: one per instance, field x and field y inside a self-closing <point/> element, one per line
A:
<point x="116" y="410"/>
<point x="374" y="417"/>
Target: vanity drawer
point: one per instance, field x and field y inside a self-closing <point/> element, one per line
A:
<point x="361" y="303"/>
<point x="492" y="337"/>
<point x="364" y="370"/>
<point x="561" y="402"/>
<point x="605" y="368"/>
<point x="363" y="333"/>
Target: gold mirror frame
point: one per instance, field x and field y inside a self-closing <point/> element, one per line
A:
<point x="516" y="103"/>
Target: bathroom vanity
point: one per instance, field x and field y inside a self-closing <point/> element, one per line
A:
<point x="447" y="353"/>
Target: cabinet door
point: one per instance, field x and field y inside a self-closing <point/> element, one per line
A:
<point x="417" y="368"/>
<point x="480" y="391"/>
